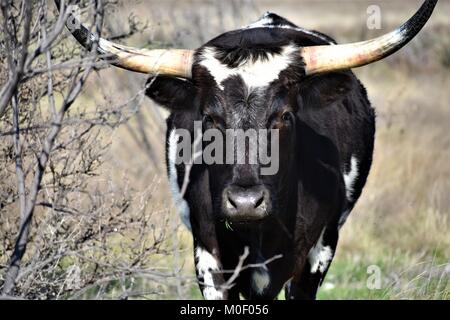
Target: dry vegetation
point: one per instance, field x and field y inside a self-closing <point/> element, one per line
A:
<point x="110" y="231"/>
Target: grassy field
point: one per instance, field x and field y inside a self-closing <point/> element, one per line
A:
<point x="401" y="224"/>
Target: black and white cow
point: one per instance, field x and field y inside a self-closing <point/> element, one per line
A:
<point x="269" y="75"/>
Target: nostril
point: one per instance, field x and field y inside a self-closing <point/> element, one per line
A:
<point x="259" y="202"/>
<point x="230" y="203"/>
<point x="246" y="203"/>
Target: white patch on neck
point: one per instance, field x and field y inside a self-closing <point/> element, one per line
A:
<point x="260" y="280"/>
<point x="350" y="178"/>
<point x="182" y="206"/>
<point x="206" y="264"/>
<point x="255" y="74"/>
<point x="320" y="256"/>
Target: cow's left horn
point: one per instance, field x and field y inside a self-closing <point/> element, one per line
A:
<point x="174" y="62"/>
<point x="326" y="58"/>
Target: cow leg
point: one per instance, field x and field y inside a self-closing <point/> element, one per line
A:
<point x="315" y="268"/>
<point x="208" y="262"/>
<point x="208" y="269"/>
<point x="195" y="211"/>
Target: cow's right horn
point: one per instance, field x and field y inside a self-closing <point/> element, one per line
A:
<point x="326" y="58"/>
<point x="173" y="62"/>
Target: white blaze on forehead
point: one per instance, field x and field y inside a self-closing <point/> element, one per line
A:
<point x="206" y="265"/>
<point x="320" y="256"/>
<point x="255" y="73"/>
<point x="260" y="280"/>
<point x="181" y="204"/>
<point x="350" y="178"/>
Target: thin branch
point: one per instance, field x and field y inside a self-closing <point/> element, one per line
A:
<point x="16" y="71"/>
<point x="26" y="218"/>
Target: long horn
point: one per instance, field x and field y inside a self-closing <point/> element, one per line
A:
<point x="174" y="62"/>
<point x="326" y="58"/>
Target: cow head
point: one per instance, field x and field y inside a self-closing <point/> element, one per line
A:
<point x="258" y="78"/>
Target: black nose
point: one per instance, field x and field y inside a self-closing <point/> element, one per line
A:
<point x="246" y="204"/>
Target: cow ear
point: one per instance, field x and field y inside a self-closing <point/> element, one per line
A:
<point x="326" y="89"/>
<point x="171" y="93"/>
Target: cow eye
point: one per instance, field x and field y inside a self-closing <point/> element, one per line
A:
<point x="287" y="117"/>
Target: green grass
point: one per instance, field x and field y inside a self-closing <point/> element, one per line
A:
<point x="348" y="279"/>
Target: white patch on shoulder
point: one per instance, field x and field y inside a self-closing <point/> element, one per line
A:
<point x="319" y="256"/>
<point x="255" y="74"/>
<point x="206" y="264"/>
<point x="260" y="280"/>
<point x="350" y="178"/>
<point x="182" y="206"/>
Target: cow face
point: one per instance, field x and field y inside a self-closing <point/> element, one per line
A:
<point x="226" y="100"/>
<point x="242" y="91"/>
<point x="245" y="82"/>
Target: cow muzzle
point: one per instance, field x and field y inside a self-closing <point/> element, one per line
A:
<point x="246" y="204"/>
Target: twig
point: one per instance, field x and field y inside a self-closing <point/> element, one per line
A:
<point x="58" y="117"/>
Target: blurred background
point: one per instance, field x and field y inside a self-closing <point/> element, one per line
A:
<point x="399" y="232"/>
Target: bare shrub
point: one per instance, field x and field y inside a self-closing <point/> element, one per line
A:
<point x="67" y="229"/>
